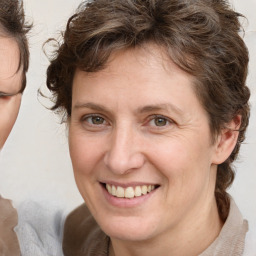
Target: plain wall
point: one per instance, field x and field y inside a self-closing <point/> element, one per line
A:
<point x="35" y="161"/>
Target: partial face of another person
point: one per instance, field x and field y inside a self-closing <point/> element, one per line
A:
<point x="10" y="85"/>
<point x="141" y="146"/>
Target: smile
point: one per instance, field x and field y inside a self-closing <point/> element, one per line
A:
<point x="129" y="192"/>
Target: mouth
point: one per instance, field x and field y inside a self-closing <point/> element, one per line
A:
<point x="129" y="192"/>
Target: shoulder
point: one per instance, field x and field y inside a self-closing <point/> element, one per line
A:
<point x="40" y="228"/>
<point x="250" y="242"/>
<point x="8" y="220"/>
<point x="82" y="235"/>
<point x="8" y="216"/>
<point x="231" y="239"/>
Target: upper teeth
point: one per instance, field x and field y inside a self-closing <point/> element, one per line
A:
<point x="129" y="192"/>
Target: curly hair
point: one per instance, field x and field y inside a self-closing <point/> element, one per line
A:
<point x="201" y="37"/>
<point x="13" y="24"/>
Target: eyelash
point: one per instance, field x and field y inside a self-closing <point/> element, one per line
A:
<point x="5" y="95"/>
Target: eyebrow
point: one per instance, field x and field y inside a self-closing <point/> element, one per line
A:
<point x="141" y="110"/>
<point x="158" y="107"/>
<point x="93" y="106"/>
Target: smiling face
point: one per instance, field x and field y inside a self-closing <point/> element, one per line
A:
<point x="141" y="147"/>
<point x="10" y="85"/>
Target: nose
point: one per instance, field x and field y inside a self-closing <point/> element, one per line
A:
<point x="124" y="152"/>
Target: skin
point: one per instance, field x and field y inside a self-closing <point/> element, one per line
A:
<point x="149" y="128"/>
<point x="10" y="85"/>
<point x="10" y="99"/>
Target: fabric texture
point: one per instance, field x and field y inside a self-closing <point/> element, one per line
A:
<point x="40" y="229"/>
<point x="83" y="237"/>
<point x="231" y="239"/>
<point x="250" y="242"/>
<point x="9" y="245"/>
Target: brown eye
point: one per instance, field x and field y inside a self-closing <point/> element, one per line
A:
<point x="97" y="120"/>
<point x="5" y="95"/>
<point x="160" y="121"/>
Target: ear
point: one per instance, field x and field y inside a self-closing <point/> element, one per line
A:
<point x="227" y="140"/>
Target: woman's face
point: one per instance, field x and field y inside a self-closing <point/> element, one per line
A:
<point x="138" y="126"/>
<point x="10" y="84"/>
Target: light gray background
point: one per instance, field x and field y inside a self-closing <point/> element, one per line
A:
<point x="35" y="162"/>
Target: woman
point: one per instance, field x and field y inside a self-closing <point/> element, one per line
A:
<point x="14" y="57"/>
<point x="155" y="98"/>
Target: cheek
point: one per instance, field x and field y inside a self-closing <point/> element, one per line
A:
<point x="84" y="153"/>
<point x="9" y="109"/>
<point x="86" y="160"/>
<point x="185" y="165"/>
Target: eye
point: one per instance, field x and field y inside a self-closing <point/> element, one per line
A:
<point x="4" y="95"/>
<point x="160" y="121"/>
<point x="94" y="120"/>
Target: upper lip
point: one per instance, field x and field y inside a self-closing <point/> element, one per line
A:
<point x="128" y="184"/>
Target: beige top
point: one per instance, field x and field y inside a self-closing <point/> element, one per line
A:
<point x="9" y="245"/>
<point x="231" y="239"/>
<point x="83" y="237"/>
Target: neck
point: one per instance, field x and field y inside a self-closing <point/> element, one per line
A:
<point x="189" y="238"/>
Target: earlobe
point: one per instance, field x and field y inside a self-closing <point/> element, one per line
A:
<point x="227" y="140"/>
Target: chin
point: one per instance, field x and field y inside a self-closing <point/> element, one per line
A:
<point x="129" y="230"/>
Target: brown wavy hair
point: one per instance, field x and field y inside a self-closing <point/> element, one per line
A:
<point x="201" y="36"/>
<point x="13" y="24"/>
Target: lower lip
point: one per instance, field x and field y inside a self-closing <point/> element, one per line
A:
<point x="127" y="202"/>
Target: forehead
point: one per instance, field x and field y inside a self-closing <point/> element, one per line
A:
<point x="10" y="74"/>
<point x="137" y="78"/>
<point x="148" y="62"/>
